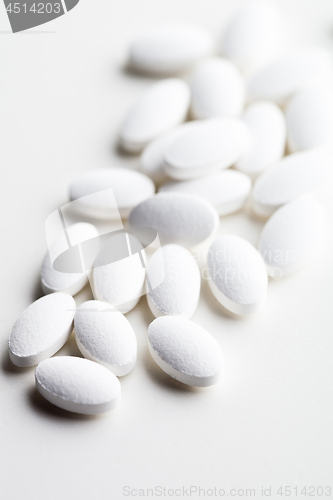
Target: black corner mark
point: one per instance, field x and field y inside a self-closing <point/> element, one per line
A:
<point x="70" y="4"/>
<point x="27" y="14"/>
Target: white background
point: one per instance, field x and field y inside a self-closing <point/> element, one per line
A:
<point x="63" y="93"/>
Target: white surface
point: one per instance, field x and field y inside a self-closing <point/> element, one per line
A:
<point x="269" y="422"/>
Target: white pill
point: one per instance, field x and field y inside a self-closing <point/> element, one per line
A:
<point x="227" y="191"/>
<point x="104" y="335"/>
<point x="178" y="294"/>
<point x="217" y="88"/>
<point x="278" y="80"/>
<point x="169" y="49"/>
<point x="309" y="117"/>
<point x="291" y="235"/>
<point x="56" y="281"/>
<point x="77" y="385"/>
<point x="206" y="146"/>
<point x="253" y="34"/>
<point x="42" y="329"/>
<point x="152" y="157"/>
<point x="129" y="188"/>
<point x="237" y="274"/>
<point x="178" y="218"/>
<point x="120" y="283"/>
<point x="267" y="126"/>
<point x="185" y="351"/>
<point x="162" y="106"/>
<point x="293" y="176"/>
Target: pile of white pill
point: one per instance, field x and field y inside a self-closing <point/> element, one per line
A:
<point x="230" y="124"/>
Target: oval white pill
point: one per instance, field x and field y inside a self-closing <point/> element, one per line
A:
<point x="178" y="294"/>
<point x="162" y="106"/>
<point x="129" y="188"/>
<point x="217" y="89"/>
<point x="309" y="117"/>
<point x="42" y="329"/>
<point x="152" y="157"/>
<point x="178" y="218"/>
<point x="237" y="274"/>
<point x="185" y="351"/>
<point x="120" y="283"/>
<point x="104" y="335"/>
<point x="293" y="176"/>
<point x="206" y="146"/>
<point x="278" y="80"/>
<point x="77" y="385"/>
<point x="169" y="49"/>
<point x="55" y="281"/>
<point x="253" y="34"/>
<point x="291" y="235"/>
<point x="227" y="191"/>
<point x="267" y="127"/>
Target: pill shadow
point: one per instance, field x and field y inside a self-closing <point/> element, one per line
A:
<point x="9" y="368"/>
<point x="164" y="380"/>
<point x="116" y="148"/>
<point x="129" y="70"/>
<point x="37" y="292"/>
<point x="45" y="408"/>
<point x="143" y="308"/>
<point x="254" y="216"/>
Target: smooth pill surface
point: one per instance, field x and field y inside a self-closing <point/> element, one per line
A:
<point x="267" y="127"/>
<point x="129" y="188"/>
<point x="205" y="146"/>
<point x="162" y="106"/>
<point x="178" y="294"/>
<point x="253" y="34"/>
<point x="217" y="88"/>
<point x="104" y="335"/>
<point x="293" y="176"/>
<point x="55" y="281"/>
<point x="169" y="49"/>
<point x="291" y="235"/>
<point x="120" y="283"/>
<point x="178" y="218"/>
<point x="309" y="115"/>
<point x="237" y="274"/>
<point x="78" y="385"/>
<point x="227" y="191"/>
<point x="42" y="329"/>
<point x="278" y="80"/>
<point x="152" y="157"/>
<point x="185" y="351"/>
